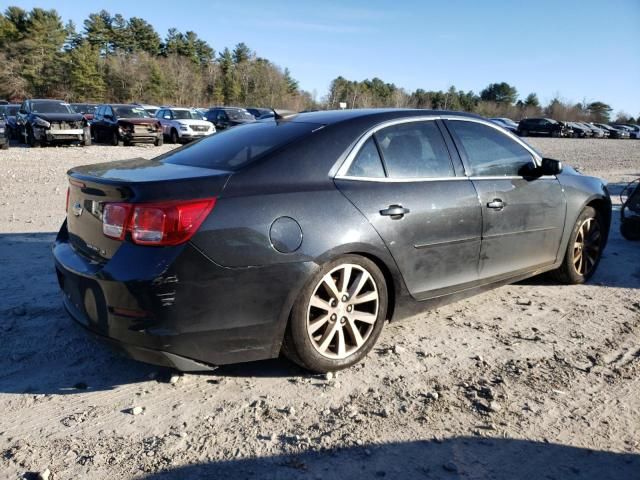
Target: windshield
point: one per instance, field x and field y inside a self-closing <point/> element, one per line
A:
<point x="187" y="115"/>
<point x="239" y="115"/>
<point x="130" y="112"/>
<point x="51" y="107"/>
<point x="83" y="108"/>
<point x="232" y="149"/>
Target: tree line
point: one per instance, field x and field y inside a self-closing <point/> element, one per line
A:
<point x="112" y="58"/>
<point x="496" y="100"/>
<point x="115" y="59"/>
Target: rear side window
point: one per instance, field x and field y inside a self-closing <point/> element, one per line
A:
<point x="414" y="150"/>
<point x="234" y="148"/>
<point x="367" y="163"/>
<point x="490" y="152"/>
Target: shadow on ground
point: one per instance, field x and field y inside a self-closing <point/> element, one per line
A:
<point x="43" y="351"/>
<point x="463" y="457"/>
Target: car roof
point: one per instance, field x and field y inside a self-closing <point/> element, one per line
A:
<point x="46" y="100"/>
<point x="122" y="105"/>
<point x="327" y="117"/>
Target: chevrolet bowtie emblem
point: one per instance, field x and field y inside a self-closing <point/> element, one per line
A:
<point x="77" y="209"/>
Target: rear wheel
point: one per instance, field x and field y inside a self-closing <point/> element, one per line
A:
<point x="338" y="316"/>
<point x="584" y="250"/>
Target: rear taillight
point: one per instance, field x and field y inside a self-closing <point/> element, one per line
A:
<point x="115" y="219"/>
<point x="166" y="223"/>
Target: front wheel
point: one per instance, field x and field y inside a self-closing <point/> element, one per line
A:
<point x="115" y="139"/>
<point x="338" y="316"/>
<point x="584" y="250"/>
<point x="159" y="141"/>
<point x="32" y="140"/>
<point x="173" y="137"/>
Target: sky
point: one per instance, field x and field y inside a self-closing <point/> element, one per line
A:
<point x="576" y="50"/>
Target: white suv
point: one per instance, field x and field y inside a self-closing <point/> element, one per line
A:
<point x="183" y="124"/>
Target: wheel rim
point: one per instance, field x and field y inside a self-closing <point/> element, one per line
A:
<point x="342" y="311"/>
<point x="586" y="248"/>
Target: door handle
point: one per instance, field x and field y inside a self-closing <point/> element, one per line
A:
<point x="395" y="211"/>
<point x="496" y="204"/>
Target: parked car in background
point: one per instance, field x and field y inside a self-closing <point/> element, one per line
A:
<point x="227" y="117"/>
<point x="4" y="133"/>
<point x="150" y="109"/>
<point x="506" y="123"/>
<point x="44" y="121"/>
<point x="122" y="124"/>
<point x="542" y="126"/>
<point x="183" y="124"/>
<point x="613" y="132"/>
<point x="86" y="109"/>
<point x="596" y="131"/>
<point x="9" y="112"/>
<point x="261" y="113"/>
<point x="633" y="130"/>
<point x="376" y="217"/>
<point x="579" y="130"/>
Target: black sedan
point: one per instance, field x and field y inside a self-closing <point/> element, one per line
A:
<point x="305" y="234"/>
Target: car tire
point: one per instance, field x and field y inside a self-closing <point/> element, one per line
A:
<point x="115" y="139"/>
<point x="524" y="133"/>
<point x="159" y="141"/>
<point x="630" y="230"/>
<point x="31" y="139"/>
<point x="86" y="138"/>
<point x="173" y="136"/>
<point x="584" y="250"/>
<point x="326" y="333"/>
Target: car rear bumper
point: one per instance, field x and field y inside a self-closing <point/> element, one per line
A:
<point x="175" y="307"/>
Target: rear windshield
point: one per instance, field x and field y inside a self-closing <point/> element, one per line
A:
<point x="234" y="148"/>
<point x="239" y="115"/>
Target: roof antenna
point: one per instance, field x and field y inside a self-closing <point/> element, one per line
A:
<point x="282" y="114"/>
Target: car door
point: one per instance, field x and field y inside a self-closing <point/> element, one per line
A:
<point x="522" y="213"/>
<point x="405" y="182"/>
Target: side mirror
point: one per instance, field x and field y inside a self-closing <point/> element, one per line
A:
<point x="551" y="167"/>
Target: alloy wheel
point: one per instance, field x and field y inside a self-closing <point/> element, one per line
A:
<point x="342" y="311"/>
<point x="586" y="248"/>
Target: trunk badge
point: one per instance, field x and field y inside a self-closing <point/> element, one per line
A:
<point x="77" y="209"/>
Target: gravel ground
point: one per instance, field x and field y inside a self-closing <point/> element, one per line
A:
<point x="533" y="380"/>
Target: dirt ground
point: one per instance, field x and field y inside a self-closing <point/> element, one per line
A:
<point x="534" y="380"/>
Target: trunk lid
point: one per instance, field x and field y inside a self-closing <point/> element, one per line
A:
<point x="134" y="181"/>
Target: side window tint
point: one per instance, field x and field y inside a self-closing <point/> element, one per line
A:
<point x="415" y="150"/>
<point x="367" y="163"/>
<point x="490" y="152"/>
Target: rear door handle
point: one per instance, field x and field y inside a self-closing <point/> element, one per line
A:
<point x="395" y="211"/>
<point x="496" y="204"/>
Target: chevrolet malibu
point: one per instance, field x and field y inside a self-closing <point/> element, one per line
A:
<point x="304" y="235"/>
